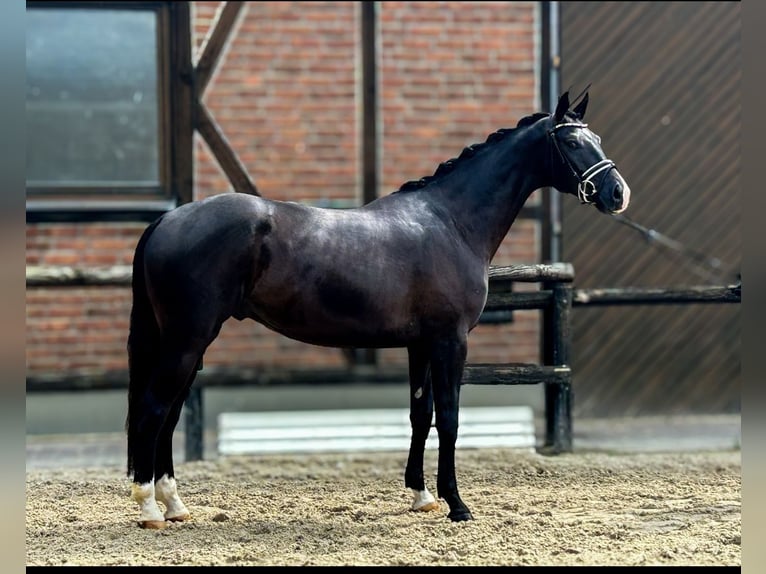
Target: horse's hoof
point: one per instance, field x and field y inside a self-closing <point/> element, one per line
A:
<point x="427" y="507"/>
<point x="180" y="518"/>
<point x="153" y="524"/>
<point x="460" y="515"/>
<point x="549" y="450"/>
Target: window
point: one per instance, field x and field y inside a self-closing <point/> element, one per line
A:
<point x="98" y="127"/>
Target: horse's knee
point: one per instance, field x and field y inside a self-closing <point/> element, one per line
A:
<point x="447" y="430"/>
<point x="420" y="430"/>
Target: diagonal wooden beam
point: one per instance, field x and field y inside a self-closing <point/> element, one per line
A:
<point x="219" y="145"/>
<point x="214" y="43"/>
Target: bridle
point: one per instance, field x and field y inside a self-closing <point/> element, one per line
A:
<point x="586" y="189"/>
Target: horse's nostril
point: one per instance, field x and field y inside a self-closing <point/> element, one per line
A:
<point x="617" y="193"/>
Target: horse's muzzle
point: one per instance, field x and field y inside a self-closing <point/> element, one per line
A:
<point x="614" y="196"/>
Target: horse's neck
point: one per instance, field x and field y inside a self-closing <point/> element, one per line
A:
<point x="485" y="197"/>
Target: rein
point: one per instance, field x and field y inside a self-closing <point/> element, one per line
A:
<point x="708" y="267"/>
<point x="586" y="189"/>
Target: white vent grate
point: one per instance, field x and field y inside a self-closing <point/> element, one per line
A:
<point x="366" y="430"/>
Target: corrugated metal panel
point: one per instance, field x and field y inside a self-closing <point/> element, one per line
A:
<point x="666" y="101"/>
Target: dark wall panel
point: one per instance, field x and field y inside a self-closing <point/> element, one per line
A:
<point x="666" y="101"/>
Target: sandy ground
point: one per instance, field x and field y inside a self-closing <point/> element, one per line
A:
<point x="592" y="508"/>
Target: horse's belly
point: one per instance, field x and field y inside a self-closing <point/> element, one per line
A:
<point x="339" y="333"/>
<point x="339" y="324"/>
<point x="369" y="303"/>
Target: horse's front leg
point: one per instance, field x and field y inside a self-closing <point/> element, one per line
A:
<point x="447" y="362"/>
<point x="421" y="413"/>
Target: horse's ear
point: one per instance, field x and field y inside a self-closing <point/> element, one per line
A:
<point x="562" y="107"/>
<point x="580" y="108"/>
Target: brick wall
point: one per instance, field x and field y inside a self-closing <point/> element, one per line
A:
<point x="286" y="96"/>
<point x="78" y="329"/>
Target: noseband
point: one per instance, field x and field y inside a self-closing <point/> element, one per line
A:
<point x="586" y="189"/>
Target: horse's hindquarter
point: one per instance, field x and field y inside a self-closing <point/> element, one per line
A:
<point x="362" y="277"/>
<point x="197" y="260"/>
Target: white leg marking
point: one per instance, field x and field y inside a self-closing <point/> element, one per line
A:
<point x="424" y="501"/>
<point x="168" y="495"/>
<point x="143" y="494"/>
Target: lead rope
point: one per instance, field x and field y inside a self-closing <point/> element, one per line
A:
<point x="710" y="268"/>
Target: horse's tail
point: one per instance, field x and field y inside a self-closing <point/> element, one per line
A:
<point x="143" y="343"/>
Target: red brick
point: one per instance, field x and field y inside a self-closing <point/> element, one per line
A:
<point x="286" y="97"/>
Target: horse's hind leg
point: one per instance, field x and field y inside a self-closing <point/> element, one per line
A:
<point x="167" y="386"/>
<point x="165" y="488"/>
<point x="421" y="414"/>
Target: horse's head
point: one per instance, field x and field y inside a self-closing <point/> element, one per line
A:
<point x="579" y="165"/>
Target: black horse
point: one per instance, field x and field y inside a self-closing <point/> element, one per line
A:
<point x="406" y="270"/>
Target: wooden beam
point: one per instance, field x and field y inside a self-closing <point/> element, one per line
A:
<point x="215" y="42"/>
<point x="369" y="103"/>
<point x="239" y="376"/>
<point x="210" y="54"/>
<point x="532" y="273"/>
<point x="517" y="300"/>
<point x="657" y="296"/>
<point x="221" y="376"/>
<point x="219" y="145"/>
<point x="181" y="97"/>
<point x="43" y="276"/>
<point x="515" y="374"/>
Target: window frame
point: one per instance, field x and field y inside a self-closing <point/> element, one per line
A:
<point x="131" y="202"/>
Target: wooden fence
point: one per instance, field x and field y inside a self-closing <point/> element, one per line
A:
<point x="556" y="298"/>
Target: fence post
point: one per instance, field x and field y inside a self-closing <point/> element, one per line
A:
<point x="556" y="350"/>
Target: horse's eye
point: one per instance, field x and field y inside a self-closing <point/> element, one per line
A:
<point x="572" y="144"/>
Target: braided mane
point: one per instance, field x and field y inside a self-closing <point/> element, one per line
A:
<point x="468" y="152"/>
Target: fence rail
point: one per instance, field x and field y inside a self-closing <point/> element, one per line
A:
<point x="61" y="276"/>
<point x="64" y="276"/>
<point x="657" y="296"/>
